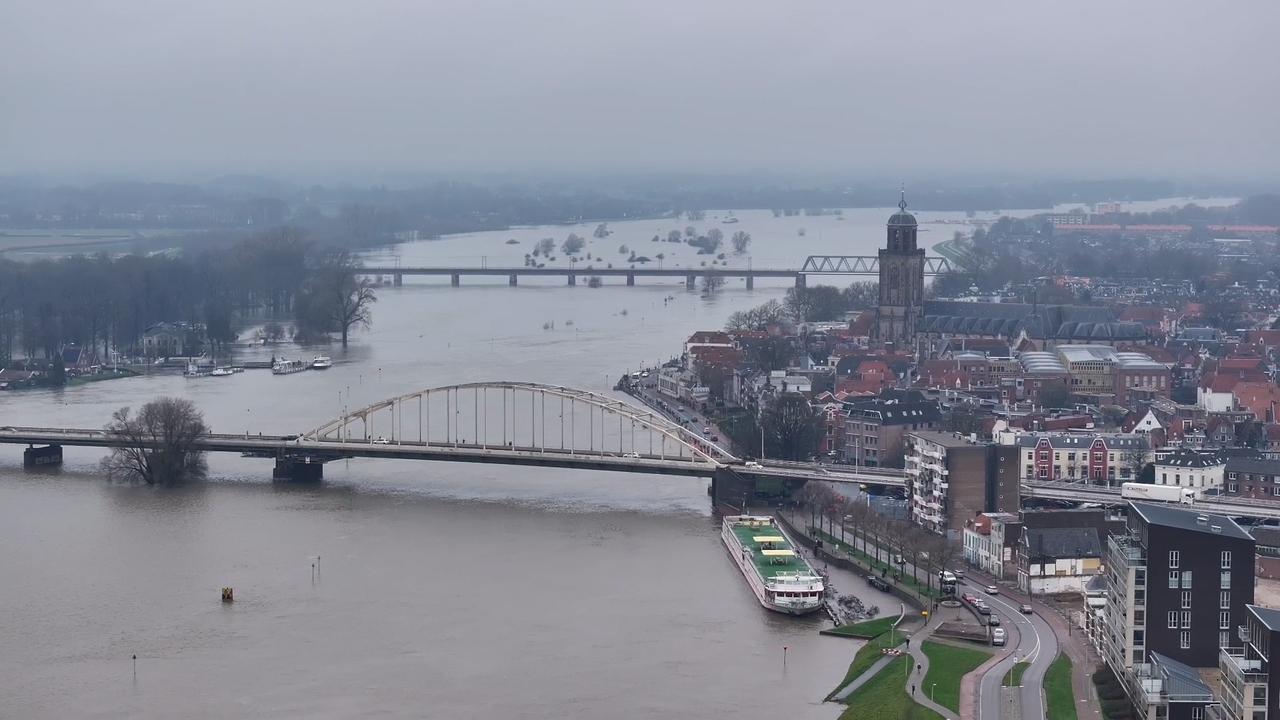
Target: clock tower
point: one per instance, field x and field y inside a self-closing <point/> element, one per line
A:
<point x="901" y="282"/>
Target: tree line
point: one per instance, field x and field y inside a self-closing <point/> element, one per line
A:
<point x="107" y="303"/>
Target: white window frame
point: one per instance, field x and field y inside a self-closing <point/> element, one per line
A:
<point x="1226" y="559"/>
<point x="1186" y="579"/>
<point x="1224" y="580"/>
<point x="1184" y="639"/>
<point x="1186" y="619"/>
<point x="1224" y="600"/>
<point x="1174" y="577"/>
<point x="1173" y="619"/>
<point x="1175" y="558"/>
<point x="1186" y="599"/>
<point x="1224" y="620"/>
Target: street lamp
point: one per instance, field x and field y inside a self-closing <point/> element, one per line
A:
<point x="931" y="687"/>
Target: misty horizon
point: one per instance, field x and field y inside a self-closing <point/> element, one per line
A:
<point x="316" y="93"/>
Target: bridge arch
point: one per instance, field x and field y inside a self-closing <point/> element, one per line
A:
<point x="527" y="416"/>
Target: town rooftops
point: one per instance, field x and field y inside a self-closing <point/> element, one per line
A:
<point x="945" y="439"/>
<point x="1269" y="617"/>
<point x="1181" y="681"/>
<point x="1187" y="458"/>
<point x="1254" y="465"/>
<point x="1073" y="441"/>
<point x="1166" y="516"/>
<point x="1066" y="542"/>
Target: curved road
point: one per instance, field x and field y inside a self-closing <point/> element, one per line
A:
<point x="1035" y="643"/>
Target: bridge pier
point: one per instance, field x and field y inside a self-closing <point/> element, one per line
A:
<point x="573" y="279"/>
<point x="45" y="456"/>
<point x="511" y="279"/>
<point x="751" y="282"/>
<point x="631" y="279"/>
<point x="800" y="280"/>
<point x="690" y="282"/>
<point x="295" y="470"/>
<point x="397" y="279"/>
<point x="455" y="280"/>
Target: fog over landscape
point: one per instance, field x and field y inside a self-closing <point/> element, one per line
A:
<point x="331" y="91"/>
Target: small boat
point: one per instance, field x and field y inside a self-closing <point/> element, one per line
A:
<point x="222" y="372"/>
<point x="321" y="362"/>
<point x="729" y="221"/>
<point x="288" y="367"/>
<point x="193" y="371"/>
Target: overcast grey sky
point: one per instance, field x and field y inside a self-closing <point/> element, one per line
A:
<point x="319" y="88"/>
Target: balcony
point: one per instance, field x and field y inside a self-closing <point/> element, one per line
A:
<point x="1235" y="661"/>
<point x="1126" y="551"/>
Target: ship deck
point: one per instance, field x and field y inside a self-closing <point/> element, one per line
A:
<point x="767" y="567"/>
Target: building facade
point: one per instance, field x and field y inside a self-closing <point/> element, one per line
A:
<point x="951" y="479"/>
<point x="901" y="282"/>
<point x="1101" y="458"/>
<point x="1177" y="584"/>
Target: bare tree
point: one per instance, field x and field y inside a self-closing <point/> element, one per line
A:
<point x="741" y="239"/>
<point x="157" y="446"/>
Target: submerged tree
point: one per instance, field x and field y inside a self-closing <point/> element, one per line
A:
<point x="790" y="428"/>
<point x="336" y="299"/>
<point x="157" y="446"/>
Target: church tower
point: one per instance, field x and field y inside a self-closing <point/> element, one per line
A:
<point x="901" y="282"/>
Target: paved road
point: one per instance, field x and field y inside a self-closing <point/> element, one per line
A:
<point x="1036" y="643"/>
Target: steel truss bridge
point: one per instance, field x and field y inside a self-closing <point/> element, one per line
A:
<point x="814" y="265"/>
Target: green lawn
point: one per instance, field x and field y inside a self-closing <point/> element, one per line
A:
<point x="1014" y="679"/>
<point x="866" y="628"/>
<point x="867" y="656"/>
<point x="947" y="665"/>
<point x="884" y="697"/>
<point x="1057" y="690"/>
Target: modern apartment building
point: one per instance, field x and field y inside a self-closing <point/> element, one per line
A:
<point x="951" y="479"/>
<point x="1177" y="583"/>
<point x="1250" y="688"/>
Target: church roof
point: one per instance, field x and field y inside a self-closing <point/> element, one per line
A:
<point x="902" y="218"/>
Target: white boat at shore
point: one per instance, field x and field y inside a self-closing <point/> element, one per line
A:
<point x="222" y="372"/>
<point x="321" y="362"/>
<point x="288" y="367"/>
<point x="780" y="578"/>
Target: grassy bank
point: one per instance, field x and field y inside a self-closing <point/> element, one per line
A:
<point x="866" y="629"/>
<point x="1014" y="679"/>
<point x="947" y="665"/>
<point x="869" y="563"/>
<point x="866" y="657"/>
<point x="884" y="697"/>
<point x="1058" y="695"/>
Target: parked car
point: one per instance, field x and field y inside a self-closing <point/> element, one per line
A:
<point x="993" y="590"/>
<point x="968" y="598"/>
<point x="993" y="620"/>
<point x="878" y="583"/>
<point x="982" y="608"/>
<point x="1025" y="609"/>
<point x="997" y="636"/>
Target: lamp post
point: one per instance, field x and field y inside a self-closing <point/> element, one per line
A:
<point x="931" y="687"/>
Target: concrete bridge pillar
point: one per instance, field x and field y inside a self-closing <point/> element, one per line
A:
<point x="690" y="282"/>
<point x="295" y="470"/>
<point x="397" y="279"/>
<point x="455" y="280"/>
<point x="800" y="280"/>
<point x="38" y="457"/>
<point x="631" y="279"/>
<point x="573" y="279"/>
<point x="511" y="280"/>
<point x="751" y="282"/>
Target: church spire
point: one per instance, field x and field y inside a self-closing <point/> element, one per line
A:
<point x="902" y="204"/>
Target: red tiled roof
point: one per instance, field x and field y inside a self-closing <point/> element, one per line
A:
<point x="1257" y="397"/>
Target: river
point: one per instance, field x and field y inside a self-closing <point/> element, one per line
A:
<point x="450" y="591"/>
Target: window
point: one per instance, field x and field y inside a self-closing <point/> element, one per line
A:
<point x="1186" y="579"/>
<point x="1231" y="487"/>
<point x="1139" y="637"/>
<point x="1224" y="620"/>
<point x="1186" y="599"/>
<point x="1226" y="559"/>
<point x="1224" y="600"/>
<point x="1197" y="713"/>
<point x="1140" y="577"/>
<point x="1184" y="639"/>
<point x="1175" y="557"/>
<point x="1226" y="580"/>
<point x="1224" y="639"/>
<point x="1186" y="619"/>
<point x="1173" y="578"/>
<point x="1173" y="619"/>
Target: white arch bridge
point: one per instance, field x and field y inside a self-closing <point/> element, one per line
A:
<point x="510" y="420"/>
<point x="512" y="423"/>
